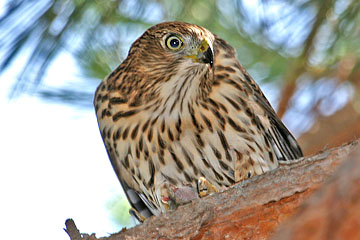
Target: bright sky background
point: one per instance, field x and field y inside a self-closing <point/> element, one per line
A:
<point x="53" y="164"/>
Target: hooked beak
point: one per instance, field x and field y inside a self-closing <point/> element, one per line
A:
<point x="204" y="54"/>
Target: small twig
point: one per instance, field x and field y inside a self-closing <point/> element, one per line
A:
<point x="72" y="230"/>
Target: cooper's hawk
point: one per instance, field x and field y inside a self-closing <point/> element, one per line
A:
<point x="180" y="118"/>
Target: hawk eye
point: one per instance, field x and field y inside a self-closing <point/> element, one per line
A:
<point x="174" y="43"/>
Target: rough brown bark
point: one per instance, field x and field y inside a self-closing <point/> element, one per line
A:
<point x="251" y="209"/>
<point x="333" y="212"/>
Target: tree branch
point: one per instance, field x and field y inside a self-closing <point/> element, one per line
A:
<point x="251" y="209"/>
<point x="333" y="212"/>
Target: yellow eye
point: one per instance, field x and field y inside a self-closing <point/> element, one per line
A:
<point x="174" y="43"/>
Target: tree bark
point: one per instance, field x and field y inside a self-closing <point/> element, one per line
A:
<point x="252" y="209"/>
<point x="333" y="212"/>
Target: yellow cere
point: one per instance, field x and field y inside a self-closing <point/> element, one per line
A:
<point x="204" y="45"/>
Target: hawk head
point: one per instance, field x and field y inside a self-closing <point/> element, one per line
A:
<point x="174" y="43"/>
<point x="171" y="60"/>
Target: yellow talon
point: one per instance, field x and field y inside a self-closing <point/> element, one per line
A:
<point x="205" y="188"/>
<point x="137" y="215"/>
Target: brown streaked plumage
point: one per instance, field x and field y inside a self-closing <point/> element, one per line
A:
<point x="181" y="108"/>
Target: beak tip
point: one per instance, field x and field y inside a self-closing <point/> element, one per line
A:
<point x="208" y="57"/>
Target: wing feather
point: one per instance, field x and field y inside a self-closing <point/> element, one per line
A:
<point x="284" y="141"/>
<point x="284" y="144"/>
<point x="136" y="199"/>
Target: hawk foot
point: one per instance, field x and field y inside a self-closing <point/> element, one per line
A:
<point x="169" y="203"/>
<point x="204" y="187"/>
